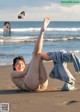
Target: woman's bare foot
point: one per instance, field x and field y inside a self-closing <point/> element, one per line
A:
<point x="45" y="23"/>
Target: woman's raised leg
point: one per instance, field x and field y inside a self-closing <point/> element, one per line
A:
<point x="39" y="42"/>
<point x="32" y="79"/>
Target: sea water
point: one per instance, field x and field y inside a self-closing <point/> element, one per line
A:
<point x="58" y="36"/>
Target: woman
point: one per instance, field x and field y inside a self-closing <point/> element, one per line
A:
<point x="7" y="29"/>
<point x="34" y="77"/>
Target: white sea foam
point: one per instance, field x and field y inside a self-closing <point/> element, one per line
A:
<point x="38" y="29"/>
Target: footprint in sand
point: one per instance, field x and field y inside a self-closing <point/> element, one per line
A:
<point x="70" y="102"/>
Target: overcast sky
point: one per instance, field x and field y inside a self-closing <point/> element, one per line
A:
<point x="36" y="10"/>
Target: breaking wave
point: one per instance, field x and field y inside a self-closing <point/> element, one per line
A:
<point x="38" y="29"/>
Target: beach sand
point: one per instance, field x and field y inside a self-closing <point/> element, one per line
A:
<point x="51" y="100"/>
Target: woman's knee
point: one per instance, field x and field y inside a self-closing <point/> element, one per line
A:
<point x="38" y="57"/>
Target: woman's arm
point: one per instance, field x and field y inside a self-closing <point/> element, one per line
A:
<point x="17" y="74"/>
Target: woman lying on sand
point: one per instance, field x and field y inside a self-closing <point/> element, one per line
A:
<point x="34" y="77"/>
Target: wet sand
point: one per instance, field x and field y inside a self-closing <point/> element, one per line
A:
<point x="51" y="100"/>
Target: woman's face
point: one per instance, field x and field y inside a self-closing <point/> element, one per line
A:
<point x="7" y="25"/>
<point x="20" y="65"/>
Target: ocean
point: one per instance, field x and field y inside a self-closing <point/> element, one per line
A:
<point x="59" y="35"/>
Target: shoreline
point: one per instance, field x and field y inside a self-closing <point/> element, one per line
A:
<point x="4" y="65"/>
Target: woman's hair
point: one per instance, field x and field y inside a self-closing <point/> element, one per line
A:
<point x="17" y="59"/>
<point x="6" y="23"/>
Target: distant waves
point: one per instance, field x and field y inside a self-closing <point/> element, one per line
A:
<point x="32" y="39"/>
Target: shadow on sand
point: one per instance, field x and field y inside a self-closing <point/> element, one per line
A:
<point x="18" y="91"/>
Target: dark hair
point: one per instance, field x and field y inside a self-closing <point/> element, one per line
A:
<point x="6" y="23"/>
<point x="16" y="59"/>
<point x="23" y="12"/>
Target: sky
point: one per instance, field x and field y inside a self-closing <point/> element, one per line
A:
<point x="36" y="10"/>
